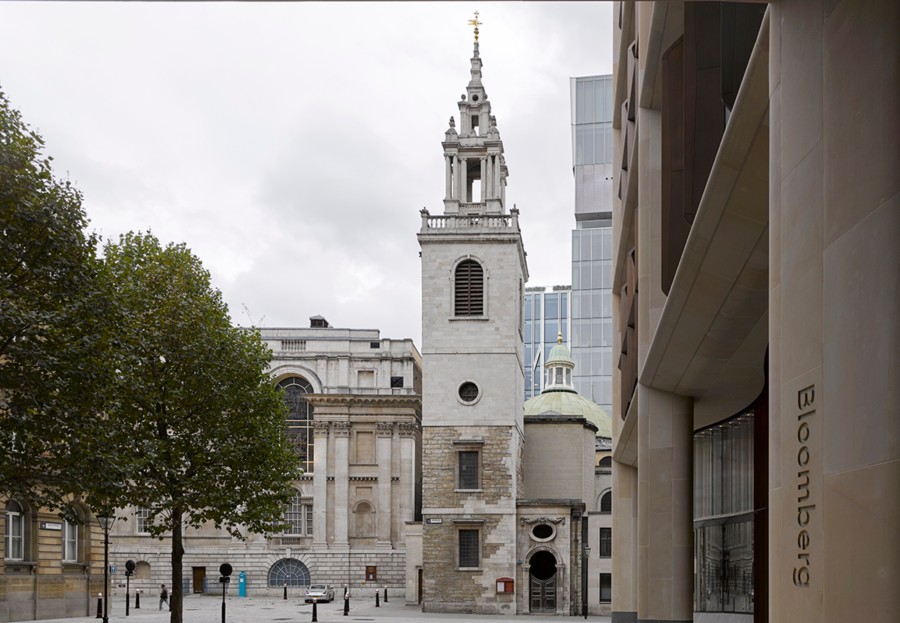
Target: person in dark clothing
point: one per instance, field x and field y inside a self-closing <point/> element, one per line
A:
<point x="163" y="596"/>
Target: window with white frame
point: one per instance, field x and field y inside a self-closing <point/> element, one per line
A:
<point x="14" y="534"/>
<point x="70" y="541"/>
<point x="298" y="516"/>
<point x="300" y="419"/>
<point x="142" y="520"/>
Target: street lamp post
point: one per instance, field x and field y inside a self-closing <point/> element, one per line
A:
<point x="587" y="558"/>
<point x="105" y="522"/>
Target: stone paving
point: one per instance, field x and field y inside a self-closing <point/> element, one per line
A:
<point x="208" y="609"/>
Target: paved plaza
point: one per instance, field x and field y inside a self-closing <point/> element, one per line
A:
<point x="208" y="609"/>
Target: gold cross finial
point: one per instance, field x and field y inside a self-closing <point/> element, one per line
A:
<point x="476" y="24"/>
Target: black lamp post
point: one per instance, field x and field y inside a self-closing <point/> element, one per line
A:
<point x="105" y="522"/>
<point x="584" y="599"/>
<point x="129" y="571"/>
<point x="225" y="569"/>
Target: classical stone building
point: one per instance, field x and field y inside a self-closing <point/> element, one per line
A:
<point x="51" y="568"/>
<point x="355" y="410"/>
<point x="756" y="461"/>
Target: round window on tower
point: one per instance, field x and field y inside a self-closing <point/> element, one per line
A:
<point x="468" y="393"/>
<point x="475" y="97"/>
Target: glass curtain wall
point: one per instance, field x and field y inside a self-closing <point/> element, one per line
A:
<point x="723" y="516"/>
<point x="592" y="111"/>
<point x="546" y="315"/>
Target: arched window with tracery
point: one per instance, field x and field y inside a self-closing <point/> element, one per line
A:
<point x="300" y="418"/>
<point x="468" y="289"/>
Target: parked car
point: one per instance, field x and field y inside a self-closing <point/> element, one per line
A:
<point x="319" y="592"/>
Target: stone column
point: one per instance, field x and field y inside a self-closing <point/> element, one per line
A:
<point x="448" y="168"/>
<point x="463" y="182"/>
<point x="341" y="481"/>
<point x="384" y="437"/>
<point x="488" y="184"/>
<point x="455" y="186"/>
<point x="407" y="473"/>
<point x="665" y="524"/>
<point x="624" y="534"/>
<point x="483" y="179"/>
<point x="497" y="177"/>
<point x="320" y="482"/>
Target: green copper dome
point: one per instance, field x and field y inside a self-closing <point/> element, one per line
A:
<point x="559" y="397"/>
<point x="569" y="403"/>
<point x="559" y="354"/>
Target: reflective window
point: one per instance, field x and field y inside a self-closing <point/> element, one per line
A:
<point x="300" y="419"/>
<point x="723" y="516"/>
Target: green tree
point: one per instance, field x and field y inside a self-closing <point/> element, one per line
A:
<point x="52" y="333"/>
<point x="199" y="425"/>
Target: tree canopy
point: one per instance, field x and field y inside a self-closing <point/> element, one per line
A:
<point x="196" y="418"/>
<point x="52" y="335"/>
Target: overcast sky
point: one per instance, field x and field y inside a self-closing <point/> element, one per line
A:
<point x="292" y="145"/>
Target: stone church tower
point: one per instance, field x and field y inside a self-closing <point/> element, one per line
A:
<point x="473" y="276"/>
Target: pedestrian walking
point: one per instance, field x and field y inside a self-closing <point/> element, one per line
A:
<point x="163" y="596"/>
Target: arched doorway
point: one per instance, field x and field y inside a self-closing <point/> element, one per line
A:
<point x="542" y="582"/>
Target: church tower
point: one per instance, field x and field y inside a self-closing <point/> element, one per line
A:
<point x="473" y="276"/>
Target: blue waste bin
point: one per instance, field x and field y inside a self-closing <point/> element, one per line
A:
<point x="242" y="584"/>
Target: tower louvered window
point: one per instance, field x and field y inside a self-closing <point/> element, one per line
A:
<point x="469" y="300"/>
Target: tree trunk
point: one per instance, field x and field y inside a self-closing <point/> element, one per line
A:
<point x="177" y="573"/>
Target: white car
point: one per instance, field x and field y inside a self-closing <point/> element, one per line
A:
<point x="319" y="592"/>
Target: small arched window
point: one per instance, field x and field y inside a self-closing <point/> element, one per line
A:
<point x="300" y="418"/>
<point x="468" y="289"/>
<point x="606" y="462"/>
<point x="606" y="502"/>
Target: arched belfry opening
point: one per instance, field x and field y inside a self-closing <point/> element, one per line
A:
<point x="542" y="582"/>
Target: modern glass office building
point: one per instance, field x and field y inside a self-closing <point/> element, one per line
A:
<point x="546" y="315"/>
<point x="591" y="343"/>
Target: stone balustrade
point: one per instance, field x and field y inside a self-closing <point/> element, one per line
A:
<point x="480" y="222"/>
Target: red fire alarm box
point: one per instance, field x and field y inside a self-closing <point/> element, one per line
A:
<point x="505" y="585"/>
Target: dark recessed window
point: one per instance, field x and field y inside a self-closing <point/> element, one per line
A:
<point x="468" y="549"/>
<point x="606" y="502"/>
<point x="605" y="588"/>
<point x="468" y="392"/>
<point x="374" y="344"/>
<point x="469" y="289"/>
<point x="468" y="469"/>
<point x="396" y="381"/>
<point x="542" y="531"/>
<point x="605" y="542"/>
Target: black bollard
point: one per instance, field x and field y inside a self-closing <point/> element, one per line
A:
<point x="385" y="594"/>
<point x="377" y="605"/>
<point x="99" y="605"/>
<point x="315" y="617"/>
<point x="137" y="599"/>
<point x="347" y="602"/>
<point x="285" y="590"/>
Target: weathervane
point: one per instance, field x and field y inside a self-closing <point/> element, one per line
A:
<point x="476" y="24"/>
